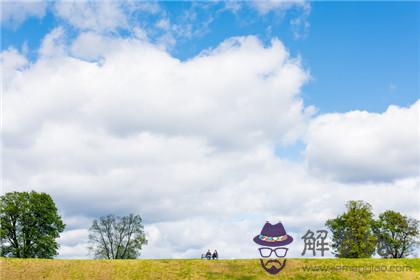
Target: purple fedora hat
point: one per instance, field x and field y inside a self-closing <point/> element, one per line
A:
<point x="273" y="235"/>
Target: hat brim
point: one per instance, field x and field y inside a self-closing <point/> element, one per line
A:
<point x="275" y="243"/>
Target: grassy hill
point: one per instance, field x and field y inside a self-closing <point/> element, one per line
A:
<point x="203" y="269"/>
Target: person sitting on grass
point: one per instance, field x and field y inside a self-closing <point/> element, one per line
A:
<point x="208" y="255"/>
<point x="215" y="255"/>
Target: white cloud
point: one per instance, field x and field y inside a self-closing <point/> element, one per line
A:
<point x="13" y="13"/>
<point x="359" y="145"/>
<point x="12" y="64"/>
<point x="233" y="6"/>
<point x="78" y="251"/>
<point x="94" y="15"/>
<point x="163" y="24"/>
<point x="53" y="43"/>
<point x="213" y="94"/>
<point x="73" y="237"/>
<point x="188" y="145"/>
<point x="279" y="6"/>
<point x="105" y="16"/>
<point x="299" y="24"/>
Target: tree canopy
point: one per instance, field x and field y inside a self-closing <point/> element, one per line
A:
<point x="114" y="237"/>
<point x="397" y="234"/>
<point x="352" y="231"/>
<point x="29" y="224"/>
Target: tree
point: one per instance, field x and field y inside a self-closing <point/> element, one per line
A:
<point x="352" y="231"/>
<point x="397" y="234"/>
<point x="114" y="237"/>
<point x="29" y="224"/>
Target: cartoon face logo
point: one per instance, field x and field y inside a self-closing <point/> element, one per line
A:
<point x="273" y="238"/>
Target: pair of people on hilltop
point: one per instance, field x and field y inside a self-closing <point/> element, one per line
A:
<point x="210" y="256"/>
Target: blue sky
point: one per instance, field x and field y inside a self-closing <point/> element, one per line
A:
<point x="210" y="118"/>
<point x="362" y="55"/>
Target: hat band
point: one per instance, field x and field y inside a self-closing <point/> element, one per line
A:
<point x="272" y="238"/>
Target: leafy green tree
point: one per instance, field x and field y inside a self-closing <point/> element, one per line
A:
<point x="113" y="237"/>
<point x="29" y="224"/>
<point x="397" y="234"/>
<point x="352" y="231"/>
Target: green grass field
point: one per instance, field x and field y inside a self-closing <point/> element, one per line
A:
<point x="203" y="269"/>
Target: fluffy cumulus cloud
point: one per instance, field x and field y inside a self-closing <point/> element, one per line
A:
<point x="13" y="13"/>
<point x="112" y="125"/>
<point x="11" y="63"/>
<point x="362" y="146"/>
<point x="236" y="94"/>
